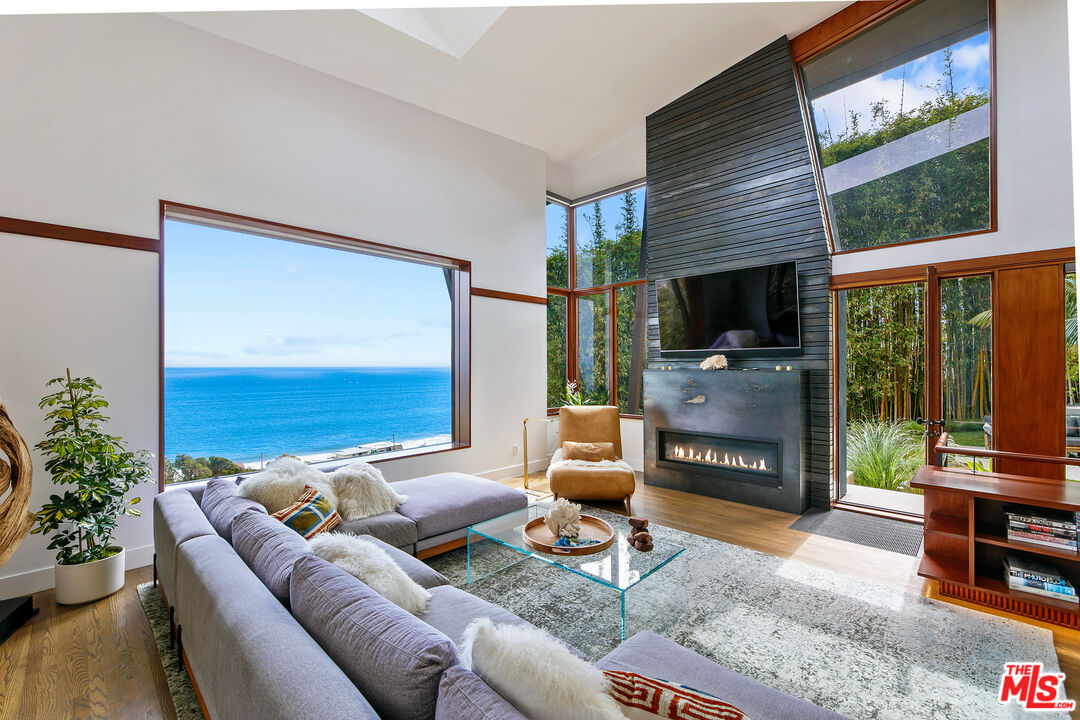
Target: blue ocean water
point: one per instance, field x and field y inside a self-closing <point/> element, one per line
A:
<point x="239" y="413"/>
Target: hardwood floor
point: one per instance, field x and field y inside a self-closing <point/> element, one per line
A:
<point x="100" y="661"/>
<point x="85" y="662"/>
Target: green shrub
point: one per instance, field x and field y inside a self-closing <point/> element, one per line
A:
<point x="884" y="455"/>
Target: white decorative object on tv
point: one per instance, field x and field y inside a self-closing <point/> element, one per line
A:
<point x="715" y="362"/>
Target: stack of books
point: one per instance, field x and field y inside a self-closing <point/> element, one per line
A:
<point x="1038" y="578"/>
<point x="1042" y="526"/>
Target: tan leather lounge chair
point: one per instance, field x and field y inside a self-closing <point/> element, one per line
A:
<point x="581" y="479"/>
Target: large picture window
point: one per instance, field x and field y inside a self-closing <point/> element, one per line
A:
<point x="902" y="118"/>
<point x="596" y="299"/>
<point x="323" y="349"/>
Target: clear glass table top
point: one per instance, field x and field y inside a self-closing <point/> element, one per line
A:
<point x="619" y="566"/>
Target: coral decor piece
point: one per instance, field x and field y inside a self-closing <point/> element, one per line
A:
<point x="15" y="516"/>
<point x="564" y="522"/>
<point x="716" y="362"/>
<point x="639" y="537"/>
<point x="564" y="519"/>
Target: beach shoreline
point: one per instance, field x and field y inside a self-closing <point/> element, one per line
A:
<point x="355" y="452"/>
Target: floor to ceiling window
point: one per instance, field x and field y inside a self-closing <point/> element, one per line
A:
<point x="596" y="299"/>
<point x="317" y="348"/>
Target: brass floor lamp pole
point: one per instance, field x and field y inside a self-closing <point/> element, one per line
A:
<point x="525" y="445"/>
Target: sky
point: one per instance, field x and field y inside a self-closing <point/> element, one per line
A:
<point x="914" y="81"/>
<point x="239" y="300"/>
<point x="610" y="210"/>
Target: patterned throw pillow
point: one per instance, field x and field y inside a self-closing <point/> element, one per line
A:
<point x="310" y="515"/>
<point x="645" y="698"/>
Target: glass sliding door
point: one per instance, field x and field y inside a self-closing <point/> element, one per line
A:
<point x="914" y="360"/>
<point x="966" y="332"/>
<point x="882" y="380"/>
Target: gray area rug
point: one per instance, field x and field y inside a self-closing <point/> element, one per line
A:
<point x="861" y="649"/>
<point x="183" y="694"/>
<point x="869" y="530"/>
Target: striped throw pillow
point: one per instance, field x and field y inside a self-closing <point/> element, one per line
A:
<point x="310" y="515"/>
<point x="644" y="698"/>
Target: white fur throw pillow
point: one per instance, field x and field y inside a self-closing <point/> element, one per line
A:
<point x="362" y="492"/>
<point x="536" y="673"/>
<point x="283" y="481"/>
<point x="371" y="564"/>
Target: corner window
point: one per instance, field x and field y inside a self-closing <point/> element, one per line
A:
<point x="309" y="345"/>
<point x="596" y="299"/>
<point x="901" y="114"/>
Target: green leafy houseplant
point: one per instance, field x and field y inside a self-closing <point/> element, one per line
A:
<point x="96" y="467"/>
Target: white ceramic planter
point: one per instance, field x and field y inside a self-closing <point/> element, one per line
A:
<point x="86" y="582"/>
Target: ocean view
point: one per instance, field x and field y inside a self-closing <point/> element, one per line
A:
<point x="240" y="413"/>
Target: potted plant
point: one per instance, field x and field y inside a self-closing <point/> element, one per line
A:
<point x="97" y="471"/>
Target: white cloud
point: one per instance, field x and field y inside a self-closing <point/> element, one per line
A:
<point x="293" y="345"/>
<point x="832" y="111"/>
<point x="971" y="58"/>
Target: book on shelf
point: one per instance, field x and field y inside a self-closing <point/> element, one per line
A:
<point x="1051" y="589"/>
<point x="1063" y="544"/>
<point x="1037" y="577"/>
<point x="1060" y="519"/>
<point x="1047" y="578"/>
<point x="1047" y="594"/>
<point x="1044" y="529"/>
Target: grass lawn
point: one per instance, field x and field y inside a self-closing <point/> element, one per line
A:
<point x="967" y="438"/>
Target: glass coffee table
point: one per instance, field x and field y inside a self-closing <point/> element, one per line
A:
<point x="619" y="567"/>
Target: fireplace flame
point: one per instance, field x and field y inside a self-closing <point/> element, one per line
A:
<point x="712" y="457"/>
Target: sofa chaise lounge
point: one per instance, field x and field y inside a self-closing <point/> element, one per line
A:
<point x="269" y="630"/>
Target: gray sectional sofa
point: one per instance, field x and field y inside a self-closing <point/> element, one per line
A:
<point x="270" y="631"/>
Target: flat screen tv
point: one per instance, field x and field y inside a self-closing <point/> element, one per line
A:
<point x="752" y="311"/>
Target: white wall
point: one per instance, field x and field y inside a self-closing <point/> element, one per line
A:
<point x="621" y="160"/>
<point x="105" y="115"/>
<point x="1034" y="169"/>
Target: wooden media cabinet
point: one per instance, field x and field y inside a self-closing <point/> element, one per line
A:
<point x="965" y="541"/>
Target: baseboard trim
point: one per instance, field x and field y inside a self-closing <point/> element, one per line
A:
<point x="32" y="581"/>
<point x="512" y="471"/>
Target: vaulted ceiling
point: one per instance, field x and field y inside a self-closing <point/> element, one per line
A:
<point x="571" y="81"/>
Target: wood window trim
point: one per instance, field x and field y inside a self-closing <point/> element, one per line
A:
<point x="572" y="292"/>
<point x="842" y="26"/>
<point x="34" y="228"/>
<point x="503" y="295"/>
<point x="953" y="268"/>
<point x="461" y="350"/>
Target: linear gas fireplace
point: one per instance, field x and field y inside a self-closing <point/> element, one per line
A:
<point x="737" y="457"/>
<point x="732" y="434"/>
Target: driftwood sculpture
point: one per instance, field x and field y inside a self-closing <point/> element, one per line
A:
<point x="15" y="516"/>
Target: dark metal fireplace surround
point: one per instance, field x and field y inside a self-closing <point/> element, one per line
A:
<point x="732" y="434"/>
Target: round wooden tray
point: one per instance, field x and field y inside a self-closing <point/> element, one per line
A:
<point x="538" y="537"/>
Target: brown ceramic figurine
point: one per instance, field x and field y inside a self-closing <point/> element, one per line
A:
<point x="639" y="536"/>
